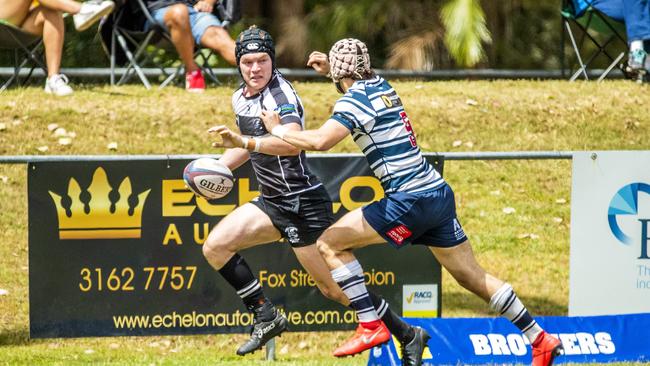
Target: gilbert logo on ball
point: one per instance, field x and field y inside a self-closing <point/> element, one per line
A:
<point x="208" y="178"/>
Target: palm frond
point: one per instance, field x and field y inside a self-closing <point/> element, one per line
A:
<point x="465" y="27"/>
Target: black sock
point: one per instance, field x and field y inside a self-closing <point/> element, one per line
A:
<point x="398" y="327"/>
<point x="239" y="275"/>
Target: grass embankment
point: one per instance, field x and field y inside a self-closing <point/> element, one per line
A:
<point x="528" y="246"/>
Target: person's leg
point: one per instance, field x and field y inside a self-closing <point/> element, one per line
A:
<point x="218" y="39"/>
<point x="243" y="228"/>
<point x="613" y="9"/>
<point x="49" y="24"/>
<point x="176" y="18"/>
<point x="312" y="261"/>
<point x="462" y="265"/>
<point x="336" y="244"/>
<point x="66" y="6"/>
<point x="14" y="11"/>
<point x="637" y="20"/>
<point x="208" y="32"/>
<point x="84" y="13"/>
<point x="459" y="260"/>
<point x="637" y="24"/>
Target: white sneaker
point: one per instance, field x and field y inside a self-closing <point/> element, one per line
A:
<point x="58" y="85"/>
<point x="91" y="11"/>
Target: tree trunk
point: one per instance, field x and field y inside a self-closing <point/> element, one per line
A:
<point x="290" y="33"/>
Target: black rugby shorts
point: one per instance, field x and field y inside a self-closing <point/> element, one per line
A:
<point x="300" y="218"/>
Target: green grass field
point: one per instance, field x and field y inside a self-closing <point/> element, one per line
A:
<point x="529" y="247"/>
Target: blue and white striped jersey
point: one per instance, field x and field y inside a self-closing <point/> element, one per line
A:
<point x="374" y="114"/>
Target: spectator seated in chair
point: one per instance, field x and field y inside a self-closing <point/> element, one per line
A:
<point x="636" y="16"/>
<point x="45" y="18"/>
<point x="192" y="23"/>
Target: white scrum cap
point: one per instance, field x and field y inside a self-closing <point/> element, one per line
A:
<point x="349" y="58"/>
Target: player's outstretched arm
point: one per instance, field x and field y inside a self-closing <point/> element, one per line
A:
<point x="322" y="139"/>
<point x="235" y="155"/>
<point x="265" y="145"/>
<point x="229" y="138"/>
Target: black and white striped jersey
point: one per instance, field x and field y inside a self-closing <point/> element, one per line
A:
<point x="277" y="175"/>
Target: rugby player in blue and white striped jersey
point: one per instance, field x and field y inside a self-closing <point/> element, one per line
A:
<point x="418" y="207"/>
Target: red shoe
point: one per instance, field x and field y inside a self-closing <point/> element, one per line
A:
<point x="545" y="349"/>
<point x="194" y="82"/>
<point x="362" y="340"/>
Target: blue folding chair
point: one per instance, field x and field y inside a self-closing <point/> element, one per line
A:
<point x="606" y="38"/>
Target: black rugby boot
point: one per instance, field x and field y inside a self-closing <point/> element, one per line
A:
<point x="263" y="331"/>
<point x="412" y="351"/>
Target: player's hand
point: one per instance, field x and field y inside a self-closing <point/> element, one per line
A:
<point x="319" y="62"/>
<point x="229" y="139"/>
<point x="204" y="6"/>
<point x="270" y="119"/>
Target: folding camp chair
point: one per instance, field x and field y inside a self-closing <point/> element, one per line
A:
<point x="27" y="49"/>
<point x="126" y="30"/>
<point x="605" y="34"/>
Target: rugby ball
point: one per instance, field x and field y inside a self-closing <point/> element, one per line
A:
<point x="208" y="178"/>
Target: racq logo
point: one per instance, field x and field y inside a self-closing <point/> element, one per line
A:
<point x="419" y="297"/>
<point x="625" y="203"/>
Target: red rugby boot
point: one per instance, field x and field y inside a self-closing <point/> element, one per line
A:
<point x="362" y="340"/>
<point x="545" y="349"/>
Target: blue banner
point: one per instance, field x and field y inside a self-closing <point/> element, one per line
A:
<point x="590" y="339"/>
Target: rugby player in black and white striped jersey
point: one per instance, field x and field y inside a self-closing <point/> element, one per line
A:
<point x="293" y="204"/>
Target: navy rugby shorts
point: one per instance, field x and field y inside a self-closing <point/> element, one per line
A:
<point x="300" y="218"/>
<point x="426" y="218"/>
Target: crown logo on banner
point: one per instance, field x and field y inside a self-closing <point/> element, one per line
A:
<point x="99" y="218"/>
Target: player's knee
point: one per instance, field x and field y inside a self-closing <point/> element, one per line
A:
<point x="208" y="249"/>
<point x="177" y="15"/>
<point x="325" y="249"/>
<point x="214" y="245"/>
<point x="216" y="35"/>
<point x="217" y="253"/>
<point x="218" y="39"/>
<point x="47" y="14"/>
<point x="331" y="241"/>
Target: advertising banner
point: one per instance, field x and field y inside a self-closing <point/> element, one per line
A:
<point x="495" y="341"/>
<point x="610" y="222"/>
<point x="115" y="248"/>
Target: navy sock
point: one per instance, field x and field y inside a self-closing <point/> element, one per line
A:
<point x="398" y="327"/>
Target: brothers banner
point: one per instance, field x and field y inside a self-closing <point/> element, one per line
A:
<point x="495" y="341"/>
<point x="115" y="248"/>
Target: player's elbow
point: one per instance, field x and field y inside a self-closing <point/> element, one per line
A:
<point x="322" y="144"/>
